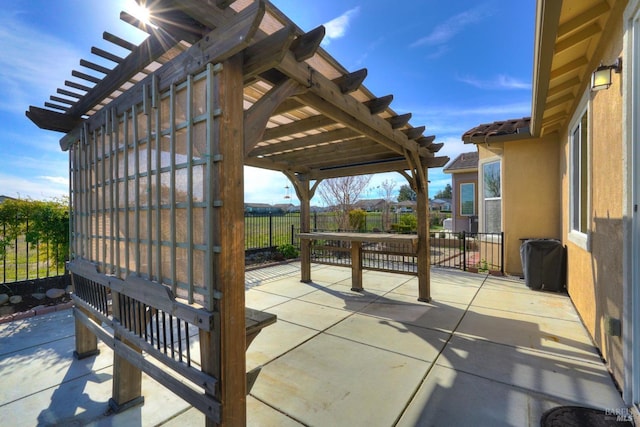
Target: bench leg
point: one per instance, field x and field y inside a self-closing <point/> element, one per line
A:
<point x="86" y="341"/>
<point x="127" y="379"/>
<point x="127" y="386"/>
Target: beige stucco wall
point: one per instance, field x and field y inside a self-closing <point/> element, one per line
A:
<point x="594" y="275"/>
<point x="530" y="192"/>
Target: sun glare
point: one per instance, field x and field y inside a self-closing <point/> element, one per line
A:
<point x="138" y="11"/>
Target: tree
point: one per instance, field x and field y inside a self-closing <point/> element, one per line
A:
<point x="445" y="193"/>
<point x="340" y="194"/>
<point x="406" y="193"/>
<point x="386" y="189"/>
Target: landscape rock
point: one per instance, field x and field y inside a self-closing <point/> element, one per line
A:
<point x="16" y="299"/>
<point x="54" y="293"/>
<point x="39" y="296"/>
<point x="4" y="298"/>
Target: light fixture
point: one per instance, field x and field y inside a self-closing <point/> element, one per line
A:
<point x="601" y="77"/>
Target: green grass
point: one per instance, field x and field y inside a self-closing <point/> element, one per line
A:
<point x="26" y="263"/>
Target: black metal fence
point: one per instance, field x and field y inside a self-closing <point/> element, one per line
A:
<point x="23" y="261"/>
<point x="479" y="252"/>
<point x="475" y="252"/>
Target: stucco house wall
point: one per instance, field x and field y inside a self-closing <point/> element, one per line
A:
<point x="530" y="192"/>
<point x="594" y="275"/>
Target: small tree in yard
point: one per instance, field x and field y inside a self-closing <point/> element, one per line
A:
<point x="340" y="194"/>
<point x="386" y="191"/>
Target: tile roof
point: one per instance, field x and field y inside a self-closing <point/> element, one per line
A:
<point x="464" y="161"/>
<point x="504" y="127"/>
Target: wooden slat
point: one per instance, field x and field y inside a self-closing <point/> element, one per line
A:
<point x="351" y="82"/>
<point x="62" y="100"/>
<point x="378" y="105"/>
<point x="106" y="55"/>
<point x="414" y="133"/>
<point x="118" y="41"/>
<point x="426" y="141"/>
<point x="313" y="122"/>
<point x="77" y="86"/>
<point x="69" y="93"/>
<point x="267" y="53"/>
<point x="305" y="46"/>
<point x="56" y="106"/>
<point x="298" y="143"/>
<point x="86" y="77"/>
<point x="135" y="22"/>
<point x="218" y="45"/>
<point x="434" y="148"/>
<point x="52" y="120"/>
<point x="399" y="121"/>
<point x="94" y="66"/>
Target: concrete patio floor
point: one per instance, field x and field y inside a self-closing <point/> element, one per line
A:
<point x="486" y="351"/>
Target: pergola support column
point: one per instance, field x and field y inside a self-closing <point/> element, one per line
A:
<point x="226" y="234"/>
<point x="305" y="193"/>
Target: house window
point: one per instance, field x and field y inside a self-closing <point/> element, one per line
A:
<point x="467" y="199"/>
<point x="492" y="197"/>
<point x="580" y="175"/>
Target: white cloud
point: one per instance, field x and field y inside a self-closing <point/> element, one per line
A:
<point x="337" y="27"/>
<point x="502" y="81"/>
<point x="444" y="32"/>
<point x="32" y="63"/>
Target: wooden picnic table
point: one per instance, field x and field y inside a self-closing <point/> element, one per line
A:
<point x="356" y="240"/>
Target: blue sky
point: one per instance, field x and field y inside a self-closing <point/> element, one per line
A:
<point x="453" y="65"/>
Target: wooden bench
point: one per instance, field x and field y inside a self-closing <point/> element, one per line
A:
<point x="356" y="240"/>
<point x="149" y="331"/>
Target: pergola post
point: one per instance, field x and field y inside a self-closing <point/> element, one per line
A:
<point x="226" y="234"/>
<point x="305" y="193"/>
<point x="424" y="261"/>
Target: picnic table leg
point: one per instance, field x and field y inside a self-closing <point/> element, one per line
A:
<point x="356" y="266"/>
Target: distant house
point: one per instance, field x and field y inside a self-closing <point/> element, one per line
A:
<point x="464" y="189"/>
<point x="370" y="205"/>
<point x="440" y="205"/>
<point x="262" y="209"/>
<point x="287" y="207"/>
<point x="406" y="206"/>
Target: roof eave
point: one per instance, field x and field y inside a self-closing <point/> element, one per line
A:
<point x="547" y="22"/>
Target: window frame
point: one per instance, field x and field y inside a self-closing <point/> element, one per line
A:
<point x="484" y="199"/>
<point x="473" y="201"/>
<point x="579" y="197"/>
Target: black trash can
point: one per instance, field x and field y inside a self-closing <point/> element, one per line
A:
<point x="543" y="264"/>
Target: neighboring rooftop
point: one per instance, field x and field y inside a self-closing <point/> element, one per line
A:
<point x="481" y="133"/>
<point x="465" y="162"/>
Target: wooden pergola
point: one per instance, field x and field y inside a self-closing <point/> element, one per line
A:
<point x="158" y="140"/>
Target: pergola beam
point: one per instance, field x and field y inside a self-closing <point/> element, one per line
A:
<point x="298" y="143"/>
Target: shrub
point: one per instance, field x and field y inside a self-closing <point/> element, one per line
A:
<point x="287" y="250"/>
<point x="357" y="219"/>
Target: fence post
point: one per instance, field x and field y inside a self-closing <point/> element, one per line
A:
<point x="464" y="251"/>
<point x="315" y="221"/>
<point x="502" y="252"/>
<point x="270" y="229"/>
<point x="292" y="234"/>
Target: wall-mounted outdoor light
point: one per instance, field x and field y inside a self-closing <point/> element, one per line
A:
<point x="601" y="77"/>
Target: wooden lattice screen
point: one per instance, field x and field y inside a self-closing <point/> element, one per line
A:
<point x="141" y="198"/>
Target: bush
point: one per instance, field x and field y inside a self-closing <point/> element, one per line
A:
<point x="287" y="250"/>
<point x="357" y="219"/>
<point x="406" y="224"/>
